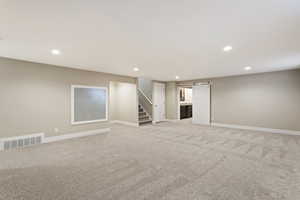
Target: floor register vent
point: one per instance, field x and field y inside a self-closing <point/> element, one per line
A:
<point x="21" y="141"/>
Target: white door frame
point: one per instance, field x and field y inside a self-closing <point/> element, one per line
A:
<point x="163" y="117"/>
<point x="178" y="102"/>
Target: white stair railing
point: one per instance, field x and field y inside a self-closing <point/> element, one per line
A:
<point x="145" y="102"/>
<point x="142" y="93"/>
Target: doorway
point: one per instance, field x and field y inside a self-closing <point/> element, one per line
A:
<point x="159" y="96"/>
<point x="185" y="103"/>
<point x="194" y="103"/>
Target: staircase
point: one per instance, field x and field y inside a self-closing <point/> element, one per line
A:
<point x="144" y="118"/>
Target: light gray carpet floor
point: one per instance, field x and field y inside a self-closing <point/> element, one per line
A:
<point x="176" y="161"/>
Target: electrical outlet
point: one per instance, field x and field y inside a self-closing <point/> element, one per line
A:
<point x="56" y="130"/>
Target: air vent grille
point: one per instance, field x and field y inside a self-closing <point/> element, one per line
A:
<point x="21" y="141"/>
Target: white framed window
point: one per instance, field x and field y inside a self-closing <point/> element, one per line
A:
<point x="88" y="104"/>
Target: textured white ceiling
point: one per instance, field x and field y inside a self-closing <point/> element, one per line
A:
<point x="163" y="38"/>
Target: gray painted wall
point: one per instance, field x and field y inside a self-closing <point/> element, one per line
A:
<point x="171" y="99"/>
<point x="36" y="97"/>
<point x="269" y="100"/>
<point x="124" y="102"/>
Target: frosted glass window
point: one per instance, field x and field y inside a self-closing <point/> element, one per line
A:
<point x="89" y="104"/>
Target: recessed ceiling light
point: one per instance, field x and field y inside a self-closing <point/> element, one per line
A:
<point x="55" y="52"/>
<point x="136" y="69"/>
<point x="177" y="77"/>
<point x="247" y="68"/>
<point x="227" y="48"/>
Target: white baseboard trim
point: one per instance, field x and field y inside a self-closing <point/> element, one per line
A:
<point x="270" y="130"/>
<point x="124" y="123"/>
<point x="75" y="135"/>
